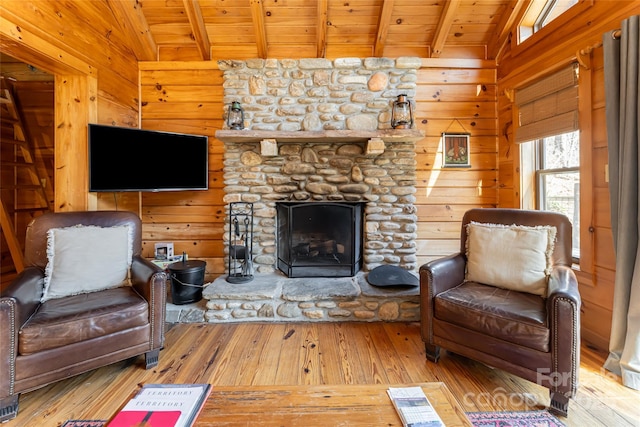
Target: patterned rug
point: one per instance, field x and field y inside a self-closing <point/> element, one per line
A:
<point x="85" y="423"/>
<point x="514" y="419"/>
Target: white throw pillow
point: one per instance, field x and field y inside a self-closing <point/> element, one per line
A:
<point x="512" y="257"/>
<point x="83" y="259"/>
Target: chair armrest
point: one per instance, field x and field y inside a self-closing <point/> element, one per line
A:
<point x="150" y="281"/>
<point x="142" y="271"/>
<point x="26" y="289"/>
<point x="562" y="284"/>
<point x="18" y="302"/>
<point x="442" y="274"/>
<point x="563" y="311"/>
<point x="436" y="277"/>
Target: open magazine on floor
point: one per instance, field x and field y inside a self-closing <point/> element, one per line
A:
<point x="163" y="405"/>
<point x="413" y="407"/>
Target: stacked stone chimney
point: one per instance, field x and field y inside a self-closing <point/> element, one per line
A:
<point x="315" y="95"/>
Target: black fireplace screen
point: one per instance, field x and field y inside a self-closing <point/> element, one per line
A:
<point x="319" y="239"/>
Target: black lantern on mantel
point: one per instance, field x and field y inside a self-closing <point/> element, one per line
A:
<point x="402" y="113"/>
<point x="235" y="116"/>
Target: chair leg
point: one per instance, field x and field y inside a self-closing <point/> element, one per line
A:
<point x="8" y="408"/>
<point x="433" y="352"/>
<point x="151" y="358"/>
<point x="559" y="403"/>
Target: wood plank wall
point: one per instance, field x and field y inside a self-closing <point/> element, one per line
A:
<point x="91" y="64"/>
<point x="597" y="282"/>
<point x="559" y="44"/>
<point x="453" y="96"/>
<point x="49" y="43"/>
<point x="186" y="97"/>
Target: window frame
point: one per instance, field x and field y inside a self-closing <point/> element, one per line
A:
<point x="539" y="172"/>
<point x="525" y="37"/>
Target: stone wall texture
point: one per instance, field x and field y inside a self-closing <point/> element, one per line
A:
<point x="314" y="95"/>
<point x="319" y="94"/>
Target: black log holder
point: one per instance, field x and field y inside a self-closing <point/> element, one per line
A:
<point x="240" y="259"/>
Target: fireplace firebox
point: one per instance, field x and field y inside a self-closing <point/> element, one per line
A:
<point x="319" y="239"/>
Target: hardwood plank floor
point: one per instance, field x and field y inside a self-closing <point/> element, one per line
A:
<point x="322" y="353"/>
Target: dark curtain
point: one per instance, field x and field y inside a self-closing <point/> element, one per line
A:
<point x="621" y="63"/>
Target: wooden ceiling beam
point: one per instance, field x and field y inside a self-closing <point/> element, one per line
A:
<point x="500" y="37"/>
<point x="321" y="25"/>
<point x="444" y="25"/>
<point x="198" y="28"/>
<point x="128" y="13"/>
<point x="24" y="45"/>
<point x="383" y="28"/>
<point x="257" y="15"/>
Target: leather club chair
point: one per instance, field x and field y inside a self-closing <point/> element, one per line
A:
<point x="531" y="336"/>
<point x="41" y="343"/>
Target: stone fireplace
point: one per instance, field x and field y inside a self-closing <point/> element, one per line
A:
<point x="311" y="172"/>
<point x="317" y="131"/>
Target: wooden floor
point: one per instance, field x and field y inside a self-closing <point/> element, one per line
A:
<point x="322" y="353"/>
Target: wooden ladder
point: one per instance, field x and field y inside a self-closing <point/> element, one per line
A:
<point x="29" y="195"/>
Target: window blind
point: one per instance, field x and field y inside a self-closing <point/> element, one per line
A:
<point x="549" y="106"/>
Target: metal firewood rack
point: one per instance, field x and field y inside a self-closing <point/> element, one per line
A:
<point x="240" y="260"/>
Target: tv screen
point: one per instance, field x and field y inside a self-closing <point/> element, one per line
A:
<point x="129" y="159"/>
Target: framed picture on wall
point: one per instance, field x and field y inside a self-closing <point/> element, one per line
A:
<point x="455" y="150"/>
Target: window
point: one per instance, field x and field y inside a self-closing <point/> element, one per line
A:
<point x="548" y="131"/>
<point x="557" y="181"/>
<point x="539" y="14"/>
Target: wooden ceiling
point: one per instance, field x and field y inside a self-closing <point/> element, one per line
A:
<point x="15" y="70"/>
<point x="193" y="30"/>
<point x="242" y="29"/>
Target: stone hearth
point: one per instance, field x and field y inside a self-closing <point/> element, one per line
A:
<point x="276" y="298"/>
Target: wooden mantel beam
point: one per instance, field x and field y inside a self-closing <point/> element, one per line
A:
<point x="128" y="14"/>
<point x="444" y="25"/>
<point x="321" y="28"/>
<point x="198" y="29"/>
<point x="383" y="27"/>
<point x="257" y="14"/>
<point x="352" y="136"/>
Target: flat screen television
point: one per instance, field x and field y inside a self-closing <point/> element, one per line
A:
<point x="129" y="159"/>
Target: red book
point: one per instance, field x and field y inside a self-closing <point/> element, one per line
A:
<point x="145" y="419"/>
<point x="163" y="405"/>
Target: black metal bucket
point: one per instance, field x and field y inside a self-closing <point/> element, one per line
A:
<point x="187" y="281"/>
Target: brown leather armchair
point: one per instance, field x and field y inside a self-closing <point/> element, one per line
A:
<point x="533" y="337"/>
<point x="41" y="343"/>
